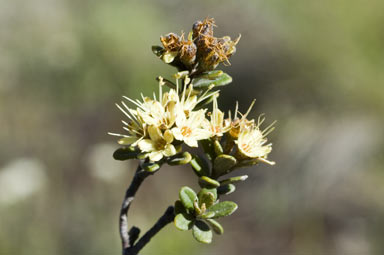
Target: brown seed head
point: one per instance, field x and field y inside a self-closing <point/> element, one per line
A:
<point x="171" y="42"/>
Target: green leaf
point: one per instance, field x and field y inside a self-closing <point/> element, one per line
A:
<point x="180" y="159"/>
<point x="198" y="210"/>
<point x="125" y="153"/>
<point x="208" y="198"/>
<point x="218" y="148"/>
<point x="150" y="167"/>
<point x="211" y="74"/>
<point x="233" y="180"/>
<point x="204" y="81"/>
<point x="206" y="215"/>
<point x="158" y="50"/>
<point x="183" y="221"/>
<point x="205" y="197"/>
<point x="142" y="155"/>
<point x="226" y="189"/>
<point x="187" y="197"/>
<point x="223" y="164"/>
<point x="169" y="56"/>
<point x="207" y="145"/>
<point x="223" y="208"/>
<point x="179" y="207"/>
<point x="201" y="232"/>
<point x="206" y="182"/>
<point x="216" y="226"/>
<point x="200" y="166"/>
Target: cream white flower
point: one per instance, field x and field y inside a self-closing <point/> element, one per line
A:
<point x="159" y="144"/>
<point x="239" y="124"/>
<point x="217" y="125"/>
<point x="135" y="127"/>
<point x="159" y="113"/>
<point x="190" y="129"/>
<point x="189" y="98"/>
<point x="251" y="142"/>
<point x="156" y="117"/>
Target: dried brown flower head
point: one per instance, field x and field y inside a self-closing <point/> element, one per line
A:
<point x="171" y="42"/>
<point x="202" y="51"/>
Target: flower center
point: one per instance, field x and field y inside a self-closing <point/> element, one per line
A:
<point x="246" y="147"/>
<point x="160" y="144"/>
<point x="186" y="131"/>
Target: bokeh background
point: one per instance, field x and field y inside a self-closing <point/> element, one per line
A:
<point x="314" y="66"/>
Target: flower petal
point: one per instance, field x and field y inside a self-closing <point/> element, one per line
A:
<point x="201" y="134"/>
<point x="169" y="150"/>
<point x="177" y="134"/>
<point x="191" y="142"/>
<point x="127" y="140"/>
<point x="155" y="155"/>
<point x="154" y="133"/>
<point x="146" y="145"/>
<point x="168" y="136"/>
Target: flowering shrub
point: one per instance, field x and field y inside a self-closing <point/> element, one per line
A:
<point x="156" y="128"/>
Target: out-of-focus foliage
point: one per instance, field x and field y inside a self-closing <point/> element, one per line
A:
<point x="315" y="66"/>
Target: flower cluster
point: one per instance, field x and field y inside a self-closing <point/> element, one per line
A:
<point x="159" y="126"/>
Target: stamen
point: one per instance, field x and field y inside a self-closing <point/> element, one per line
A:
<point x="186" y="131"/>
<point x="134" y="102"/>
<point x="249" y="109"/>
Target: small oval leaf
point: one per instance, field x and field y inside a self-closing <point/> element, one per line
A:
<point x="183" y="221"/>
<point x="180" y="159"/>
<point x="187" y="197"/>
<point x="207" y="145"/>
<point x="150" y="167"/>
<point x="211" y="74"/>
<point x="208" y="198"/>
<point x="215" y="226"/>
<point x="226" y="189"/>
<point x="200" y="166"/>
<point x="125" y="153"/>
<point x="201" y="232"/>
<point x="234" y="180"/>
<point x="223" y="164"/>
<point x="206" y="182"/>
<point x="223" y="208"/>
<point x="168" y="57"/>
<point x="203" y="193"/>
<point x="157" y="50"/>
<point x="207" y="215"/>
<point x="204" y="81"/>
<point x="179" y="207"/>
<point x="218" y="148"/>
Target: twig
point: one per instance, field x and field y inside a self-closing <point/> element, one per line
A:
<point x="128" y="238"/>
<point x="139" y="177"/>
<point x="166" y="218"/>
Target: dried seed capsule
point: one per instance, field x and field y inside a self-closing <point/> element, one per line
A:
<point x="204" y="27"/>
<point x="188" y="53"/>
<point x="171" y="42"/>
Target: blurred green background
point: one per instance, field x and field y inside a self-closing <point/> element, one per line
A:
<point x="314" y="66"/>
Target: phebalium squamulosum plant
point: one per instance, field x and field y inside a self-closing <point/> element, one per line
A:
<point x="160" y="130"/>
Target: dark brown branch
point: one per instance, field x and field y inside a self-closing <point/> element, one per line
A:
<point x="165" y="219"/>
<point x="139" y="177"/>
